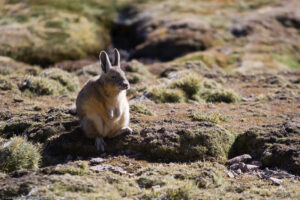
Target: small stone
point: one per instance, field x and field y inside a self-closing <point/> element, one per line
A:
<point x="250" y="167"/>
<point x="18" y="100"/>
<point x="242" y="166"/>
<point x="95" y="161"/>
<point x="238" y="159"/>
<point x="106" y="167"/>
<point x="230" y="174"/>
<point x="234" y="166"/>
<point x="238" y="171"/>
<point x="155" y="187"/>
<point x="276" y="181"/>
<point x="257" y="163"/>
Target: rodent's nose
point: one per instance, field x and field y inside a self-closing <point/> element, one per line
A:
<point x="125" y="85"/>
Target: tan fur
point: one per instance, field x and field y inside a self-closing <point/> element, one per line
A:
<point x="102" y="107"/>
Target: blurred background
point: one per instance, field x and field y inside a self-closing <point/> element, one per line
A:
<point x="243" y="35"/>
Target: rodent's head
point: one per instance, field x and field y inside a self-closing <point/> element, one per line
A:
<point x="113" y="75"/>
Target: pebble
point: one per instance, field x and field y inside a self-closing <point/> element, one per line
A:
<point x="234" y="166"/>
<point x="230" y="174"/>
<point x="250" y="167"/>
<point x="238" y="159"/>
<point x="106" y="167"/>
<point x="155" y="187"/>
<point x="275" y="180"/>
<point x="238" y="171"/>
<point x="95" y="161"/>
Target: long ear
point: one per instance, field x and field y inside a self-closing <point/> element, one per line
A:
<point x="116" y="59"/>
<point x="104" y="61"/>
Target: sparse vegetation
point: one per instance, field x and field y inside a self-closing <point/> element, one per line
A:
<point x="36" y="86"/>
<point x="192" y="87"/>
<point x="165" y="95"/>
<point x="139" y="108"/>
<point x="17" y="153"/>
<point x="64" y="78"/>
<point x="209" y="117"/>
<point x="227" y="96"/>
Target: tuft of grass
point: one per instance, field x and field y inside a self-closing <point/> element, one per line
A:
<point x="227" y="96"/>
<point x="177" y="194"/>
<point x="81" y="169"/>
<point x="190" y="84"/>
<point x="5" y="83"/>
<point x="37" y="86"/>
<point x="137" y="107"/>
<point x="17" y="153"/>
<point x="64" y="78"/>
<point x="145" y="182"/>
<point x="209" y="117"/>
<point x="165" y="95"/>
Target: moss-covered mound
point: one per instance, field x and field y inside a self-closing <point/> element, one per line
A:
<point x="17" y="153"/>
<point x="33" y="81"/>
<point x="44" y="32"/>
<point x="275" y="145"/>
<point x="177" y="143"/>
<point x="38" y="127"/>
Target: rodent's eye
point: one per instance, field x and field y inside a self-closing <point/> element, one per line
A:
<point x="113" y="77"/>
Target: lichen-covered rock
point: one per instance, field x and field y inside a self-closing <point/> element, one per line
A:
<point x="275" y="145"/>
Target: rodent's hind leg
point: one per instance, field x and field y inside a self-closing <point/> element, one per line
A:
<point x="89" y="128"/>
<point x="100" y="144"/>
<point x="123" y="130"/>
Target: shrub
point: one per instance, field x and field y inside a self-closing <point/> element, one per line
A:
<point x="18" y="153"/>
<point x="165" y="95"/>
<point x="210" y="117"/>
<point x="190" y="84"/>
<point x="141" y="109"/>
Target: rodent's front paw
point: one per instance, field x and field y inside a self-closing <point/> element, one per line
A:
<point x="128" y="129"/>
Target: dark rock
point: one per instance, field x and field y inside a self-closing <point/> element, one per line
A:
<point x="240" y="30"/>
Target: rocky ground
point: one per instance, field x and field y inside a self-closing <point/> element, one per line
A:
<point x="214" y="99"/>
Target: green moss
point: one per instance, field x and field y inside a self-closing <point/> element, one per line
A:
<point x="56" y="24"/>
<point x="5" y="83"/>
<point x="139" y="108"/>
<point x="51" y="32"/>
<point x="165" y="95"/>
<point x="36" y="86"/>
<point x="64" y="78"/>
<point x="177" y="194"/>
<point x="80" y="169"/>
<point x="178" y="144"/>
<point x="17" y="154"/>
<point x="289" y="60"/>
<point x="145" y="182"/>
<point x="209" y="117"/>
